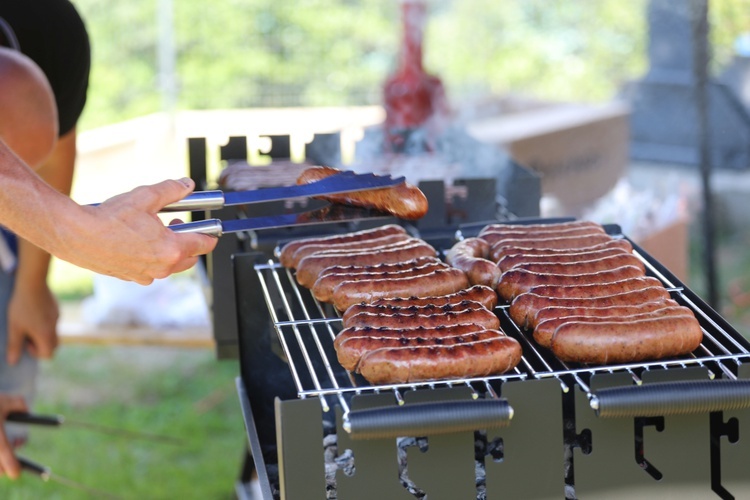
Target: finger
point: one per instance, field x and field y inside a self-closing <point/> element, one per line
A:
<point x="15" y="345"/>
<point x="8" y="463"/>
<point x="169" y="191"/>
<point x="194" y="244"/>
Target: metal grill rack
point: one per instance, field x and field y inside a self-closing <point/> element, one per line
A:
<point x="287" y="338"/>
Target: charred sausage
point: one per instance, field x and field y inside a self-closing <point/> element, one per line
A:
<point x="549" y="242"/>
<point x="511" y="261"/>
<point x="287" y="251"/>
<point x="306" y="250"/>
<point x="326" y="283"/>
<point x="404" y="200"/>
<point x="584" y="266"/>
<point x="424" y="310"/>
<point x="310" y="267"/>
<point x="498" y="251"/>
<point x="619" y="341"/>
<point x="523" y="309"/>
<point x="419" y="331"/>
<point x="415" y="364"/>
<point x="477" y="293"/>
<point x="554" y="312"/>
<point x="438" y="282"/>
<point x="351" y="350"/>
<point x="551" y="228"/>
<point x="518" y="281"/>
<point x="595" y="290"/>
<point x="481" y="316"/>
<point x="470" y="256"/>
<point x="545" y="329"/>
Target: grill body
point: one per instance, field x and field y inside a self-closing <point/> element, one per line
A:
<point x="297" y="396"/>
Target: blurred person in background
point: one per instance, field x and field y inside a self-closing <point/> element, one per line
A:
<point x="44" y="71"/>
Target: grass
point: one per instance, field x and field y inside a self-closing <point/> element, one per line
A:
<point x="182" y="393"/>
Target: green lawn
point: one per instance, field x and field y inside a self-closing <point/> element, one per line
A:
<point x="183" y="393"/>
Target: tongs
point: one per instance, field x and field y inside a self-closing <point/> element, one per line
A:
<point x="344" y="182"/>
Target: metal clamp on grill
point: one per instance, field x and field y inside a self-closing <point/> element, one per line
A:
<point x="671" y="398"/>
<point x="427" y="418"/>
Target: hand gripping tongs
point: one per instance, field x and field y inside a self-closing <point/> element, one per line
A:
<point x="344" y="182"/>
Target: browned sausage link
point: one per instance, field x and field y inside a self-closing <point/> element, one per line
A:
<point x="350" y="351"/>
<point x="552" y="228"/>
<point x="416" y="364"/>
<point x="518" y="281"/>
<point x="287" y="252"/>
<point x="325" y="284"/>
<point x="380" y="268"/>
<point x="419" y="331"/>
<point x="511" y="261"/>
<point x="306" y="250"/>
<point x="567" y="233"/>
<point x="470" y="256"/>
<point x="350" y="251"/>
<point x="549" y="242"/>
<point x="404" y="200"/>
<point x="626" y="341"/>
<point x="481" y="316"/>
<point x="545" y="329"/>
<point x="310" y="267"/>
<point x="497" y="252"/>
<point x="477" y="293"/>
<point x="438" y="282"/>
<point x="426" y="309"/>
<point x="596" y="290"/>
<point x="523" y="309"/>
<point x="554" y="312"/>
<point x="585" y="266"/>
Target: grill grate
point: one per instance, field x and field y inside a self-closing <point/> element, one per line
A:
<point x="306" y="329"/>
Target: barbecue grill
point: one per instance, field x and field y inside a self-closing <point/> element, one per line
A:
<point x="547" y="429"/>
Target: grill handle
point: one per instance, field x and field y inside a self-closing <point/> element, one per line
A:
<point x="671" y="398"/>
<point x="424" y="419"/>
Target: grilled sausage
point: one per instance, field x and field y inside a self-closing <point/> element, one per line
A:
<point x="438" y="282"/>
<point x="518" y="281"/>
<point x="326" y="283"/>
<point x="523" y="309"/>
<point x="414" y="364"/>
<point x="351" y="350"/>
<point x="511" y="261"/>
<point x="585" y="266"/>
<point x="310" y="267"/>
<point x="626" y="341"/>
<point x="481" y="316"/>
<point x="553" y="228"/>
<point x="424" y="310"/>
<point x="545" y="329"/>
<point x="379" y="268"/>
<point x="554" y="312"/>
<point x="404" y="200"/>
<point x="306" y="250"/>
<point x="477" y="293"/>
<point x="595" y="290"/>
<point x="287" y="251"/>
<point x="419" y="331"/>
<point x="470" y="256"/>
<point x="590" y="238"/>
<point x="493" y="236"/>
<point x="498" y="251"/>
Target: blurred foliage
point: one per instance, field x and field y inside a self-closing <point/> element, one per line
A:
<point x="260" y="53"/>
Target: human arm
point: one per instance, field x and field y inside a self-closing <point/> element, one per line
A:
<point x="8" y="464"/>
<point x="33" y="310"/>
<point x="122" y="237"/>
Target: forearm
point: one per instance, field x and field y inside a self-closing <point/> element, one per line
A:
<point x="57" y="171"/>
<point x="29" y="206"/>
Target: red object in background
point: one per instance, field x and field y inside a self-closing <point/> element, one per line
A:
<point x="411" y="96"/>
